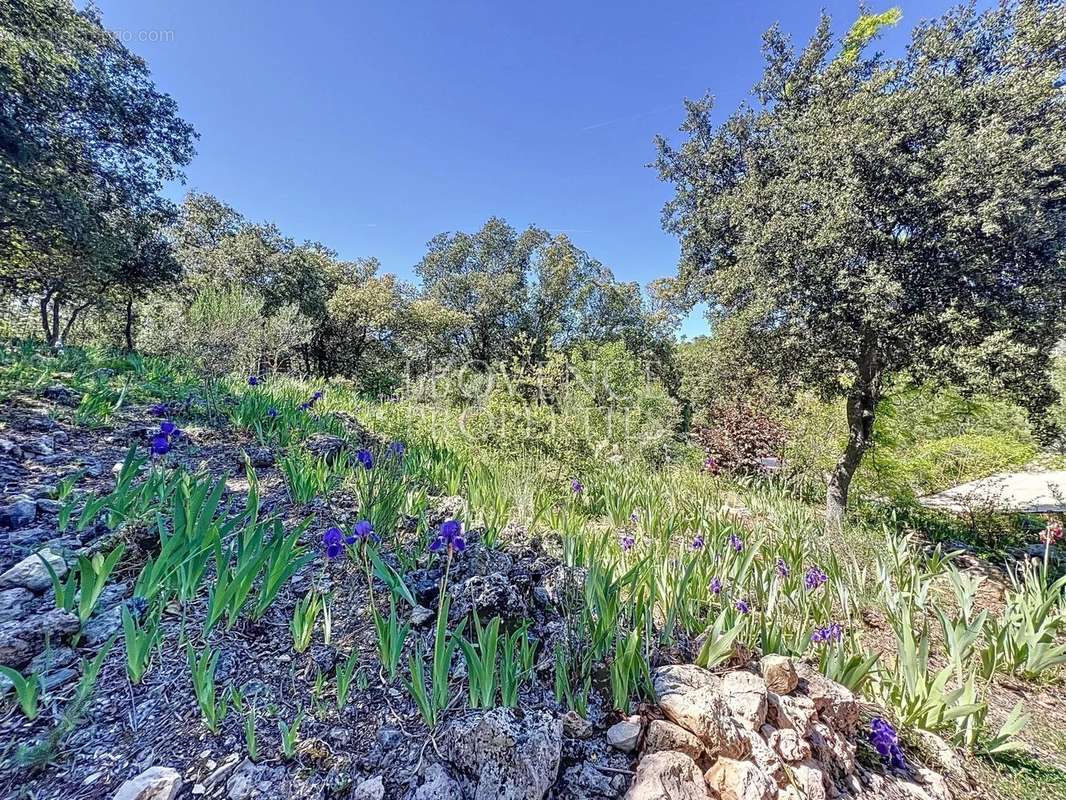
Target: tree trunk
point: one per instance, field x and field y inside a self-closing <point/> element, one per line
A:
<point x="862" y="406"/>
<point x="128" y="332"/>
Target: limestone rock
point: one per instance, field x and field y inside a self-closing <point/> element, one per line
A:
<point x="20" y="641"/>
<point x="438" y="785"/>
<point x="745" y="694"/>
<point x="691" y="698"/>
<point x="664" y="736"/>
<point x="30" y="573"/>
<point x="505" y="754"/>
<point x="576" y="726"/>
<point x="667" y="775"/>
<point x="584" y="781"/>
<point x="489" y="595"/>
<point x="13" y="603"/>
<point x="779" y="673"/>
<point x="831" y="749"/>
<point x="810" y="780"/>
<point x="624" y="735"/>
<point x="767" y="760"/>
<point x="155" y="783"/>
<point x="740" y="780"/>
<point x="325" y="446"/>
<point x="790" y="711"/>
<point x="788" y="744"/>
<point x="835" y="703"/>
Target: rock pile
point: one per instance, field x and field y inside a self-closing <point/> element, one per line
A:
<point x="779" y="732"/>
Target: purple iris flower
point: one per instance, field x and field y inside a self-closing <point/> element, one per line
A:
<point x="715" y="585"/>
<point x="576" y="486"/>
<point x="743" y="607"/>
<point x="363" y="531"/>
<point x="735" y="542"/>
<point x="365" y="458"/>
<point x="886" y="741"/>
<point x="627" y="541"/>
<point x="167" y="428"/>
<point x="697" y="543"/>
<point x="828" y="634"/>
<point x="814" y="578"/>
<point x="333" y="539"/>
<point x="272" y="412"/>
<point x="783" y="569"/>
<point x="253" y="380"/>
<point x="160" y="444"/>
<point x="449" y="538"/>
<point x="397" y="449"/>
<point x="160" y="410"/>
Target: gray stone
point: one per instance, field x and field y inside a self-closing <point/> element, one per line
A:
<point x="21" y="640"/>
<point x="155" y="783"/>
<point x="584" y="780"/>
<point x="788" y="744"/>
<point x="667" y="775"/>
<point x="370" y="789"/>
<point x="438" y="785"/>
<point x="30" y="573"/>
<point x="420" y="615"/>
<point x="504" y="754"/>
<point x="790" y="711"/>
<point x="625" y="734"/>
<point x="576" y="726"/>
<point x="836" y="704"/>
<point x="48" y="506"/>
<point x="14" y="602"/>
<point x="489" y="596"/>
<point x="258" y="457"/>
<point x="19" y="512"/>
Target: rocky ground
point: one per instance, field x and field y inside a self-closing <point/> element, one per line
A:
<point x="769" y="730"/>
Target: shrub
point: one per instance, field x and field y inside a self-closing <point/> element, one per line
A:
<point x="739" y="438"/>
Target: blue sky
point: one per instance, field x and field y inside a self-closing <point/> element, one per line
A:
<point x="372" y="127"/>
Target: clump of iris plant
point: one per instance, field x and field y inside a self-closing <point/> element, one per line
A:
<point x="365" y="458"/>
<point x="783" y="569"/>
<point x="828" y="634"/>
<point x="813" y="578"/>
<point x="333" y="539"/>
<point x="735" y="542"/>
<point x="162" y="441"/>
<point x="576" y="486"/>
<point x="886" y="741"/>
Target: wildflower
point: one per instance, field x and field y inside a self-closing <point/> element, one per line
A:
<point x="160" y="444"/>
<point x="363" y="530"/>
<point x="743" y="607"/>
<point x="697" y="543"/>
<point x="253" y="380"/>
<point x="365" y="458"/>
<point x="626" y="542"/>
<point x="332" y="539"/>
<point x="576" y="486"/>
<point x="634" y="517"/>
<point x="449" y="538"/>
<point x="1052" y="532"/>
<point x="397" y="449"/>
<point x="736" y="542"/>
<point x="827" y="634"/>
<point x="711" y="465"/>
<point x="886" y="741"/>
<point x="272" y="413"/>
<point x="317" y="396"/>
<point x="159" y="410"/>
<point x="167" y="428"/>
<point x="814" y="578"/>
<point x="715" y="585"/>
<point x="783" y="569"/>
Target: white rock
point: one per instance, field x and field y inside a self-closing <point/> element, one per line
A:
<point x="745" y="694"/>
<point x="370" y="789"/>
<point x="788" y="744"/>
<point x="438" y="785"/>
<point x="664" y="736"/>
<point x="690" y="697"/>
<point x="779" y="673"/>
<point x="624" y="735"/>
<point x="740" y="780"/>
<point x="30" y="573"/>
<point x="155" y="783"/>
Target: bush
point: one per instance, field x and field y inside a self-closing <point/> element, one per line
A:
<point x="739" y="438"/>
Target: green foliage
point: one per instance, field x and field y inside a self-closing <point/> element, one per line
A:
<point x="290" y="735"/>
<point x="141" y="639"/>
<point x="214" y="705"/>
<point x="432" y="697"/>
<point x="304" y="617"/>
<point x="344" y="678"/>
<point x="481" y="663"/>
<point x="27" y="690"/>
<point x="391" y="635"/>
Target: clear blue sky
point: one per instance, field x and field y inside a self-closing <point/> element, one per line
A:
<point x="373" y="126"/>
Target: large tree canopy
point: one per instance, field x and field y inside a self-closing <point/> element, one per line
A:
<point x="871" y="217"/>
<point x="86" y="142"/>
